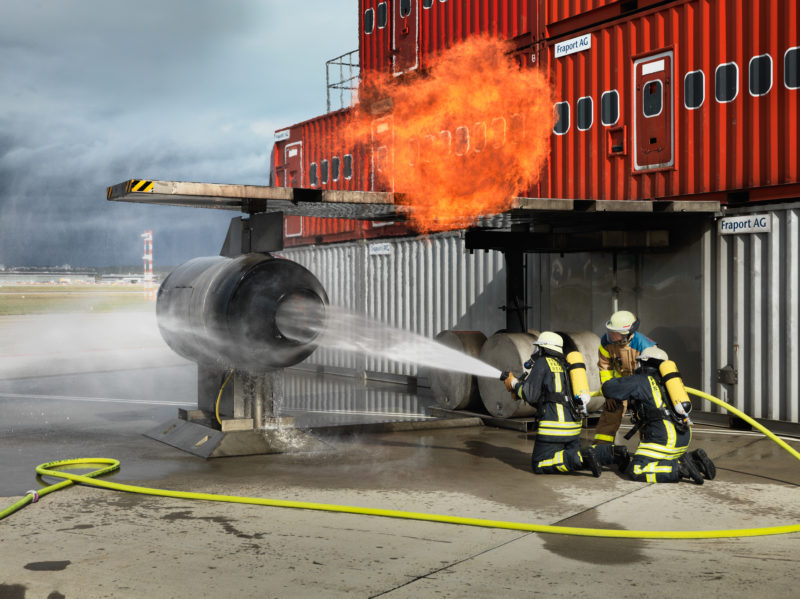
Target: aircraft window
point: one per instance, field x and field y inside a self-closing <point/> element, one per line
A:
<point x="609" y="108"/>
<point x="369" y="21"/>
<point x="324" y="171"/>
<point x="694" y="90"/>
<point x="497" y="131"/>
<point x="791" y="68"/>
<point x="562" y="122"/>
<point x="382" y="15"/>
<point x="335" y="168"/>
<point x="584" y="110"/>
<point x="348" y="166"/>
<point x="461" y="145"/>
<point x="726" y="82"/>
<point x="652" y="98"/>
<point x="760" y="75"/>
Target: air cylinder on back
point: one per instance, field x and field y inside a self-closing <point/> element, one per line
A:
<point x="254" y="313"/>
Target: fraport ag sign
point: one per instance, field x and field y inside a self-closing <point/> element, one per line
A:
<point x="576" y="44"/>
<point x="752" y="223"/>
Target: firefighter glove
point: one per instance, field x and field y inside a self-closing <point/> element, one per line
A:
<point x="511" y="382"/>
<point x="585" y="397"/>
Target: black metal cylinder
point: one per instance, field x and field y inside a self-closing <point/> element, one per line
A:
<point x="254" y="313"/>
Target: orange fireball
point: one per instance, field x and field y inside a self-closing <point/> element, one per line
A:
<point x="462" y="139"/>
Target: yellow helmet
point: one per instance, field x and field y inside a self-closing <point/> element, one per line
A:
<point x="623" y="322"/>
<point x="551" y="341"/>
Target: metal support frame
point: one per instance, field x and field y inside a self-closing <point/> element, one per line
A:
<point x="515" y="308"/>
<point x="346" y="81"/>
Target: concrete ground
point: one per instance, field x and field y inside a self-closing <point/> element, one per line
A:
<point x="86" y="542"/>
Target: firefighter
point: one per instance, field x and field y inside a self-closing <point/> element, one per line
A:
<point x="617" y="358"/>
<point x="663" y="425"/>
<point x="559" y="414"/>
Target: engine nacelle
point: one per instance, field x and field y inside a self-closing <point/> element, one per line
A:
<point x="254" y="312"/>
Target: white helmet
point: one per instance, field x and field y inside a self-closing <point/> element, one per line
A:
<point x="623" y="322"/>
<point x="652" y="353"/>
<point x="551" y="341"/>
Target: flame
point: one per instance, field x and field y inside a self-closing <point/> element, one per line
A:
<point x="461" y="140"/>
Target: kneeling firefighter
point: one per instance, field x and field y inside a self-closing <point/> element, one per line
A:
<point x="661" y="409"/>
<point x="559" y="412"/>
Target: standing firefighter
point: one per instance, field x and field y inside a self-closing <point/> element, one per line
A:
<point x="617" y="354"/>
<point x="660" y="408"/>
<point x="559" y="413"/>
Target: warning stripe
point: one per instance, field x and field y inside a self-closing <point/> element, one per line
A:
<point x="140" y="185"/>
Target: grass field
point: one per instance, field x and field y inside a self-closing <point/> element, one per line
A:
<point x="40" y="299"/>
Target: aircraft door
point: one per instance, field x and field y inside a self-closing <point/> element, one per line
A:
<point x="653" y="108"/>
<point x="405" y="36"/>
<point x="293" y="159"/>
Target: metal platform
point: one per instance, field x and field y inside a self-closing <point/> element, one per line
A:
<point x="258" y="198"/>
<point x="371" y="205"/>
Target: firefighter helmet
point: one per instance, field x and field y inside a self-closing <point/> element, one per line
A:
<point x="652" y="353"/>
<point x="551" y="341"/>
<point x="623" y="322"/>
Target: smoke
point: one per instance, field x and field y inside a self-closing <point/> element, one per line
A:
<point x="463" y="139"/>
<point x="56" y="344"/>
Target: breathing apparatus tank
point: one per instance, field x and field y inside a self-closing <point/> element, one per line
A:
<point x="577" y="373"/>
<point x="675" y="389"/>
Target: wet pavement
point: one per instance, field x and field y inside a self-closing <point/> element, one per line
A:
<point x="87" y="542"/>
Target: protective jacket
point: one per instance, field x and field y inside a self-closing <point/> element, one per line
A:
<point x="616" y="360"/>
<point x="619" y="359"/>
<point x="548" y="389"/>
<point x="662" y="438"/>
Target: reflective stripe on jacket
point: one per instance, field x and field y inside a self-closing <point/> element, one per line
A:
<point x="548" y="388"/>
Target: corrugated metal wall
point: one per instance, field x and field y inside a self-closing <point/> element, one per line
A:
<point x="580" y="291"/>
<point x="441" y="25"/>
<point x="446" y="24"/>
<point x="342" y="401"/>
<point x="751" y="315"/>
<point x="553" y="11"/>
<point x="424" y="285"/>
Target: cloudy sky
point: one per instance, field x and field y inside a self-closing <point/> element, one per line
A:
<point x="94" y="92"/>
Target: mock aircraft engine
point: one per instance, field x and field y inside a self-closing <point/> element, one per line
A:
<point x="253" y="313"/>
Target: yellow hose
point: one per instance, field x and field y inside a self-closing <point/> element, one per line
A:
<point x="50" y="469"/>
<point x="746" y="418"/>
<point x="219" y="396"/>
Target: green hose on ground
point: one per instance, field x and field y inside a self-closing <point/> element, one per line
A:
<point x="51" y="469"/>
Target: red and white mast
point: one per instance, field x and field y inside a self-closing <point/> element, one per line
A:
<point x="149" y="287"/>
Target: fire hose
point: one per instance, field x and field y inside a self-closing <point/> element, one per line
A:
<point x="51" y="469"/>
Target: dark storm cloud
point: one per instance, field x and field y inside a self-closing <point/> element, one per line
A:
<point x="94" y="92"/>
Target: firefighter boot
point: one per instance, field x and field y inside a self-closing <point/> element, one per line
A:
<point x="622" y="458"/>
<point x="590" y="461"/>
<point x="704" y="464"/>
<point x="687" y="469"/>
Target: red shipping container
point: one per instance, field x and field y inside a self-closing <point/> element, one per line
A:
<point x="313" y="154"/>
<point x="399" y="37"/>
<point x="697" y="98"/>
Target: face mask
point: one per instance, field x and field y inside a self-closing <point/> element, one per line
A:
<point x="623" y="341"/>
